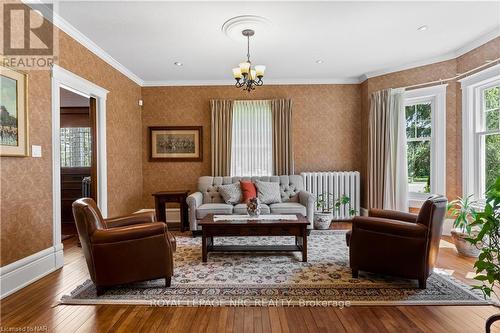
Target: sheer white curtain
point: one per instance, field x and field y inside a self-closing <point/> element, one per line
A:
<point x="252" y="142"/>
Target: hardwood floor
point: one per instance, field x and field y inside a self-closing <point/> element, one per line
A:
<point x="34" y="309"/>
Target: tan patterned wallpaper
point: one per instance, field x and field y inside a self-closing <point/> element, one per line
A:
<point x="26" y="183"/>
<point x="330" y="126"/>
<point x="123" y="130"/>
<point x="478" y="56"/>
<point x="326" y="128"/>
<point x="437" y="71"/>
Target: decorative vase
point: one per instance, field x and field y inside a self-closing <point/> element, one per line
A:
<point x="463" y="246"/>
<point x="322" y="220"/>
<point x="253" y="207"/>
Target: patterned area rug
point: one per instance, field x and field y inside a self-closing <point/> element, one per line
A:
<point x="267" y="279"/>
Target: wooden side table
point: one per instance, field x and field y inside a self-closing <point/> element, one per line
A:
<point x="180" y="197"/>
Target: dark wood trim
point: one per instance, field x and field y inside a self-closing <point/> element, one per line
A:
<point x="75" y="109"/>
<point x="175" y="128"/>
<point x="93" y="166"/>
<point x="75" y="170"/>
<point x="71" y="190"/>
<point x="75" y="117"/>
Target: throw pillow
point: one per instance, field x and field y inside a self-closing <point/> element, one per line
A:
<point x="248" y="190"/>
<point x="230" y="193"/>
<point x="268" y="192"/>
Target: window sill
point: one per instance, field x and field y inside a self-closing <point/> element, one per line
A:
<point x="416" y="203"/>
<point x="416" y="200"/>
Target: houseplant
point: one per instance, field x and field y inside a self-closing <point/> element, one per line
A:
<point x="324" y="209"/>
<point x="487" y="265"/>
<point x="462" y="211"/>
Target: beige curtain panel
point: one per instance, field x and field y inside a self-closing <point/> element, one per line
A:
<point x="387" y="169"/>
<point x="282" y="137"/>
<point x="221" y="133"/>
<point x="378" y="147"/>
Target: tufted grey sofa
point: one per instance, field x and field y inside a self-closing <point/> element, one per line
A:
<point x="208" y="200"/>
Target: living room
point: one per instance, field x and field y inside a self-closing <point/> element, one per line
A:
<point x="279" y="166"/>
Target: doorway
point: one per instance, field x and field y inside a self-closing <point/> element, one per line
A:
<point x="78" y="162"/>
<point x="62" y="81"/>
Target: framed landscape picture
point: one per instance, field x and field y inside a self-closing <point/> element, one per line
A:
<point x="176" y="143"/>
<point x="13" y="113"/>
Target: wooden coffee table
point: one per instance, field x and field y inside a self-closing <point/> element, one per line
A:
<point x="211" y="229"/>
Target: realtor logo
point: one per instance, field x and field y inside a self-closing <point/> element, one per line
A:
<point x="28" y="37"/>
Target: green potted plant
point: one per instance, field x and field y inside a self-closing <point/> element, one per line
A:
<point x="324" y="209"/>
<point x="462" y="211"/>
<point x="487" y="264"/>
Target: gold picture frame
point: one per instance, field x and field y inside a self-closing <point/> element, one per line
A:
<point x="176" y="143"/>
<point x="14" y="132"/>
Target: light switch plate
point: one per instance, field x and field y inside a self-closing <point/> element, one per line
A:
<point x="36" y="151"/>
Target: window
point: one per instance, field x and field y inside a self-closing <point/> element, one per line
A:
<point x="481" y="131"/>
<point x="251" y="147"/>
<point x="425" y="114"/>
<point x="489" y="139"/>
<point x="75" y="147"/>
<point x="418" y="147"/>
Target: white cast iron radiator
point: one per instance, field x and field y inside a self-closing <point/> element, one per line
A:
<point x="338" y="184"/>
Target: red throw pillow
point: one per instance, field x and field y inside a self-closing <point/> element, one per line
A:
<point x="248" y="190"/>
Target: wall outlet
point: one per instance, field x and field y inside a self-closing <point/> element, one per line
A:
<point x="141" y="102"/>
<point x="36" y="151"/>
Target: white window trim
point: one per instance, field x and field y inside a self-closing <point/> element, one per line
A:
<point x="437" y="96"/>
<point x="471" y="99"/>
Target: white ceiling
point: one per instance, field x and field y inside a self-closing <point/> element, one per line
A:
<point x="352" y="38"/>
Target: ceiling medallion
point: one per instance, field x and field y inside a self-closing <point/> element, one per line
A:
<point x="247" y="77"/>
<point x="233" y="27"/>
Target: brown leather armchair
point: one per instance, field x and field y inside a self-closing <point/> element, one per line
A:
<point x="397" y="243"/>
<point x="123" y="249"/>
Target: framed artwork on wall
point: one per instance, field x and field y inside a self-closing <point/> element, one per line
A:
<point x="176" y="143"/>
<point x="13" y="112"/>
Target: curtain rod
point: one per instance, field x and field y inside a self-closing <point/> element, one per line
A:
<point x="442" y="81"/>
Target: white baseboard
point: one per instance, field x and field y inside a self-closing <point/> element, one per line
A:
<point x="173" y="214"/>
<point x="25" y="271"/>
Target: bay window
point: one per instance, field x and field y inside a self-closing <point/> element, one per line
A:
<point x="425" y="114"/>
<point x="481" y="131"/>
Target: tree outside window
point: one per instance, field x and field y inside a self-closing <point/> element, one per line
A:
<point x="491" y="135"/>
<point x="418" y="135"/>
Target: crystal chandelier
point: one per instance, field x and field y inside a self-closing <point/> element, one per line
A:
<point x="247" y="77"/>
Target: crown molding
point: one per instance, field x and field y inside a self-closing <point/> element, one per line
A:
<point x="389" y="70"/>
<point x="74" y="33"/>
<point x="363" y="78"/>
<point x="474" y="44"/>
<point x="444" y="57"/>
<point x="180" y="83"/>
